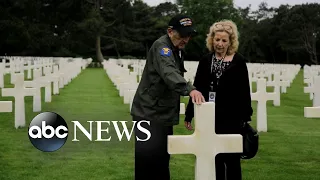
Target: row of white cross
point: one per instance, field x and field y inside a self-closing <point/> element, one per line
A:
<point x="279" y="77"/>
<point x="55" y="72"/>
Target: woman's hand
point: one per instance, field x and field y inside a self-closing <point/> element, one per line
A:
<point x="188" y="125"/>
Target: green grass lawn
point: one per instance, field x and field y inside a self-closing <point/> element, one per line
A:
<point x="289" y="151"/>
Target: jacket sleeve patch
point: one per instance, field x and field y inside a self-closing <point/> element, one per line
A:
<point x="165" y="52"/>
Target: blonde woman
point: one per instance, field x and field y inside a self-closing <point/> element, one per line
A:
<point x="222" y="77"/>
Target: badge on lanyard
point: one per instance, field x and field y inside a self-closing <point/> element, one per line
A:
<point x="212" y="96"/>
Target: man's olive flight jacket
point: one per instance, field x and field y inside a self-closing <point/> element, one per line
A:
<point x="162" y="83"/>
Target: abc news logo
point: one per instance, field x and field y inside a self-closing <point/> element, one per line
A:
<point x="48" y="131"/>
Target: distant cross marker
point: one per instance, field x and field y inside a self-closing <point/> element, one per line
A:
<point x="262" y="96"/>
<point x="19" y="92"/>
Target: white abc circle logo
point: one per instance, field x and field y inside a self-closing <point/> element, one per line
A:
<point x="42" y="132"/>
<point x="48" y="131"/>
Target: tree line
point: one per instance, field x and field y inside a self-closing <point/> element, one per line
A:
<point x="127" y="28"/>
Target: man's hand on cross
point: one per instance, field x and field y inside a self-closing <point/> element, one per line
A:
<point x="197" y="97"/>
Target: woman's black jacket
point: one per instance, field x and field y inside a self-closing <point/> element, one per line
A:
<point x="233" y="96"/>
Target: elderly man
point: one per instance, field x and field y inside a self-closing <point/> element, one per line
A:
<point x="157" y="99"/>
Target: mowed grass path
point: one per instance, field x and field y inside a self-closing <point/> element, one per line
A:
<point x="289" y="151"/>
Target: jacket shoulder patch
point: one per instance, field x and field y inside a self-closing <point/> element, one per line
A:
<point x="165" y="51"/>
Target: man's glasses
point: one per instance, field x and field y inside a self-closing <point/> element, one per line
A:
<point x="227" y="28"/>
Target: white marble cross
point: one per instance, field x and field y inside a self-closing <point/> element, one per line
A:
<point x="284" y="84"/>
<point x="29" y="68"/>
<point x="314" y="112"/>
<point x="37" y="86"/>
<point x="2" y="73"/>
<point x="131" y="96"/>
<point x="309" y="88"/>
<point x="129" y="92"/>
<point x="46" y="82"/>
<point x="56" y="78"/>
<point x="19" y="92"/>
<point x="276" y="84"/>
<point x="182" y="108"/>
<point x="315" y="90"/>
<point x="262" y="96"/>
<point x="204" y="143"/>
<point x="316" y="96"/>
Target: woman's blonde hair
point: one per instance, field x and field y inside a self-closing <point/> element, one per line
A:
<point x="227" y="26"/>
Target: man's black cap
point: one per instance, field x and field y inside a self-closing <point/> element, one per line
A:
<point x="183" y="24"/>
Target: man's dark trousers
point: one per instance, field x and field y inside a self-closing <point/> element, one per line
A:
<point x="151" y="157"/>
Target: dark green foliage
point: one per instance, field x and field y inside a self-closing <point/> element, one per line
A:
<point x="128" y="28"/>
